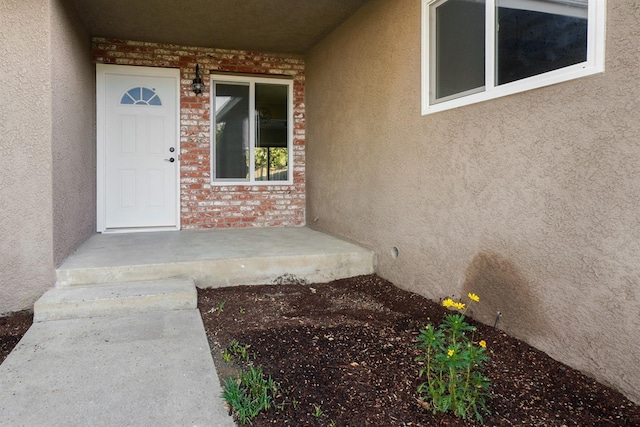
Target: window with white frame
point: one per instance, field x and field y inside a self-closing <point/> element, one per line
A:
<point x="251" y="130"/>
<point x="475" y="50"/>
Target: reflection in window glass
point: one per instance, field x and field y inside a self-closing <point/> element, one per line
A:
<point x="271" y="153"/>
<point x="539" y="36"/>
<point x="459" y="47"/>
<point x="231" y="132"/>
<point x="271" y="164"/>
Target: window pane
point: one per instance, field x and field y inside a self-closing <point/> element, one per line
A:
<point x="459" y="37"/>
<point x="147" y="94"/>
<point x="272" y="133"/>
<point x="537" y="36"/>
<point x="261" y="162"/>
<point x="231" y="131"/>
<point x="155" y="100"/>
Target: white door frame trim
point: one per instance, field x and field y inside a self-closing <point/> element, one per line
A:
<point x="101" y="70"/>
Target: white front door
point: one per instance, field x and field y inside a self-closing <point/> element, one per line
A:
<point x="138" y="147"/>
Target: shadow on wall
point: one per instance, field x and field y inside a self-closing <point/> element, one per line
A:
<point x="503" y="289"/>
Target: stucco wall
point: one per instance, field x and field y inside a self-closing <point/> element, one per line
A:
<point x="26" y="266"/>
<point x="530" y="200"/>
<point x="73" y="132"/>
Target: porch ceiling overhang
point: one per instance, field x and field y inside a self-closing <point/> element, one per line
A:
<point x="275" y="26"/>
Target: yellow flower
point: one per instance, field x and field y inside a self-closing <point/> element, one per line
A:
<point x="483" y="344"/>
<point x="459" y="305"/>
<point x="448" y="302"/>
<point x="427" y="327"/>
<point x="450" y="352"/>
<point x="474" y="297"/>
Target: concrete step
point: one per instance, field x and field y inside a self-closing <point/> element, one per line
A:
<point x="116" y="299"/>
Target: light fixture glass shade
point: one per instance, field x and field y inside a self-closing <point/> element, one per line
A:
<point x="197" y="86"/>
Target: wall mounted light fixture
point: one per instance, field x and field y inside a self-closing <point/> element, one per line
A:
<point x="197" y="86"/>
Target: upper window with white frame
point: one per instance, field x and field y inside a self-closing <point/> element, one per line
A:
<point x="251" y="130"/>
<point x="475" y="50"/>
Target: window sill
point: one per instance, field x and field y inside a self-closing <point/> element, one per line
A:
<point x="535" y="82"/>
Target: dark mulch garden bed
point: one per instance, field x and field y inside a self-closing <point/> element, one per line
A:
<point x="348" y="348"/>
<point x="12" y="328"/>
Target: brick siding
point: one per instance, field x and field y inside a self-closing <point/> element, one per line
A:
<point x="202" y="204"/>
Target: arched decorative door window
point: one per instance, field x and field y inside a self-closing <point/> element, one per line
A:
<point x="140" y="96"/>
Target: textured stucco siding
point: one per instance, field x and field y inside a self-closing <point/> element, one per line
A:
<point x="73" y="133"/>
<point x="26" y="266"/>
<point x="530" y="200"/>
<point x="47" y="166"/>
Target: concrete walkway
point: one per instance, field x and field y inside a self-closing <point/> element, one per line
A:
<point x="119" y="341"/>
<point x="151" y="369"/>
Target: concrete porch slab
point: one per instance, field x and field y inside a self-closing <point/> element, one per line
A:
<point x="116" y="299"/>
<point x="215" y="258"/>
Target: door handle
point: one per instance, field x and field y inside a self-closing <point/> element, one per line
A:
<point x="170" y="159"/>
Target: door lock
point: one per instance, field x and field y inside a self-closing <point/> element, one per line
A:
<point x="171" y="150"/>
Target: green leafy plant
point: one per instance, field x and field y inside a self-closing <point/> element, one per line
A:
<point x="218" y="309"/>
<point x="249" y="394"/>
<point x="453" y="365"/>
<point x="238" y="351"/>
<point x="317" y="411"/>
